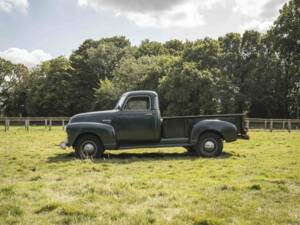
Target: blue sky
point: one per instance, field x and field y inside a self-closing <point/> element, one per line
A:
<point x="35" y="30"/>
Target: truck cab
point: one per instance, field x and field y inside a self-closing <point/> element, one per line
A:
<point x="138" y="118"/>
<point x="136" y="122"/>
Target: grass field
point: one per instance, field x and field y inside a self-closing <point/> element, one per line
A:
<point x="253" y="182"/>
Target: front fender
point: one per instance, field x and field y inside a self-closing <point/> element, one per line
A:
<point x="104" y="131"/>
<point x="227" y="130"/>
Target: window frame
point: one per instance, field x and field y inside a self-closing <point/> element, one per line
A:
<point x="136" y="96"/>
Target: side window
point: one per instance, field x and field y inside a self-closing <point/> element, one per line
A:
<point x="137" y="104"/>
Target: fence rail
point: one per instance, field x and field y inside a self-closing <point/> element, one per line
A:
<point x="49" y="122"/>
<point x="273" y="124"/>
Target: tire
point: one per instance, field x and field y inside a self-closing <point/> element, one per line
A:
<point x="190" y="149"/>
<point x="89" y="147"/>
<point x="209" y="145"/>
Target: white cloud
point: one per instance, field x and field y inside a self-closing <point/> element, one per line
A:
<point x="250" y="8"/>
<point x="192" y="14"/>
<point x="260" y="12"/>
<point x="258" y="8"/>
<point x="30" y="59"/>
<point x="185" y="15"/>
<point x="258" y="25"/>
<point x="155" y="13"/>
<point x="9" y="5"/>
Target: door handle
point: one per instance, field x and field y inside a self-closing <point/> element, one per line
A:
<point x="106" y="121"/>
<point x="148" y="114"/>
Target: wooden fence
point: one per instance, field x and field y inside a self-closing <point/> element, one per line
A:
<point x="49" y="122"/>
<point x="273" y="124"/>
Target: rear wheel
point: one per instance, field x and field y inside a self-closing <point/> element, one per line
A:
<point x="209" y="145"/>
<point x="89" y="147"/>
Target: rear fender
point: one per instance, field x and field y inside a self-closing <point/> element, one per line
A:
<point x="105" y="132"/>
<point x="226" y="130"/>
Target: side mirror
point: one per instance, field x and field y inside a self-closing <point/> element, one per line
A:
<point x="118" y="107"/>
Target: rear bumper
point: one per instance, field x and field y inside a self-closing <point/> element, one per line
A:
<point x="244" y="136"/>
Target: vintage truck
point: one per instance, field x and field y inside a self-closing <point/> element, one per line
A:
<point x="135" y="122"/>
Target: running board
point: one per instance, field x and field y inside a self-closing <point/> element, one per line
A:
<point x="165" y="142"/>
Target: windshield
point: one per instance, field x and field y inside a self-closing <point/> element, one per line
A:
<point x="120" y="102"/>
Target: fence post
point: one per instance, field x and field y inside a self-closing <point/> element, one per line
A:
<point x="8" y="123"/>
<point x="265" y="124"/>
<point x="289" y="125"/>
<point x="283" y="123"/>
<point x="5" y="125"/>
<point x="271" y="125"/>
<point x="50" y="124"/>
<point x="247" y="124"/>
<point x="27" y="125"/>
<point x="63" y="124"/>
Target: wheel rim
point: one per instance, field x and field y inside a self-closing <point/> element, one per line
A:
<point x="209" y="145"/>
<point x="88" y="149"/>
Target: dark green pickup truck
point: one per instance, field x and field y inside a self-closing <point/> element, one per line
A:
<point x="136" y="122"/>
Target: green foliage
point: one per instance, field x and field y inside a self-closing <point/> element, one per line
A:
<point x="106" y="95"/>
<point x="150" y="48"/>
<point x="286" y="43"/>
<point x="178" y="90"/>
<point x="13" y="87"/>
<point x="205" y="53"/>
<point x="141" y="73"/>
<point x="174" y="47"/>
<point x="257" y="73"/>
<point x="92" y="61"/>
<point x="106" y="57"/>
<point x="50" y="88"/>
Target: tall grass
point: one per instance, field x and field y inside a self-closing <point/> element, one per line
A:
<point x="252" y="182"/>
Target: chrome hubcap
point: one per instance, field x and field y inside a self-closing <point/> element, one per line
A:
<point x="209" y="146"/>
<point x="89" y="148"/>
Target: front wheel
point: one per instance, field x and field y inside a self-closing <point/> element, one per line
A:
<point x="209" y="145"/>
<point x="89" y="147"/>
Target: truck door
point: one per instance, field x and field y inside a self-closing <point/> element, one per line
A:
<point x="136" y="121"/>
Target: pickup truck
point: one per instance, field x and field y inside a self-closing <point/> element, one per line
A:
<point x="136" y="122"/>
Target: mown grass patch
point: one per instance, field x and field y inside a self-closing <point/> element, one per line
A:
<point x="252" y="182"/>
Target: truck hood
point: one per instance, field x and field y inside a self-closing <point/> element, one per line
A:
<point x="96" y="117"/>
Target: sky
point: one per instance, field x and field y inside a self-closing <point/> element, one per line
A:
<point x="32" y="31"/>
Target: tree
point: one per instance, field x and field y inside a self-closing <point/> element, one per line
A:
<point x="12" y="88"/>
<point x="250" y="48"/>
<point x="150" y="48"/>
<point x="106" y="95"/>
<point x="93" y="61"/>
<point x="285" y="38"/>
<point x="174" y="47"/>
<point x="50" y="90"/>
<point x="103" y="59"/>
<point x="143" y="73"/>
<point x="188" y="91"/>
<point x="205" y="53"/>
<point x="230" y="64"/>
<point x="258" y="73"/>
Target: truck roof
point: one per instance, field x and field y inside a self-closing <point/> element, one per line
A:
<point x="141" y="92"/>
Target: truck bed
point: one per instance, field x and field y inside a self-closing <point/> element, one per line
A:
<point x="180" y="126"/>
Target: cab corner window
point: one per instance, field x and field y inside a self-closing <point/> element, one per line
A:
<point x="137" y="104"/>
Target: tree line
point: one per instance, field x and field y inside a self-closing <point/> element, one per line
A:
<point x="257" y="73"/>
